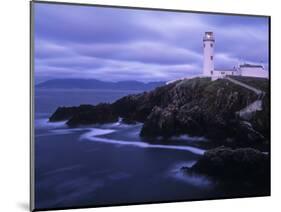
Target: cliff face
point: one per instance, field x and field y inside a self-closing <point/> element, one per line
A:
<point x="205" y="108"/>
<point x="198" y="107"/>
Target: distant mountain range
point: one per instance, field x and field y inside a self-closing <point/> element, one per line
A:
<point x="97" y="84"/>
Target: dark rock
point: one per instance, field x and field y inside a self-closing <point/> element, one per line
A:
<point x="99" y="114"/>
<point x="65" y="113"/>
<point x="128" y="121"/>
<point x="244" y="166"/>
<point x="160" y="122"/>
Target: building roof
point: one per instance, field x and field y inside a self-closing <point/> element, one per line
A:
<point x="250" y="66"/>
<point x="225" y="70"/>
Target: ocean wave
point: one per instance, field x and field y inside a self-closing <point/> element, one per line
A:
<point x="120" y="125"/>
<point x="94" y="133"/>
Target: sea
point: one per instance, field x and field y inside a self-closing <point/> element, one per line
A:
<point x="109" y="164"/>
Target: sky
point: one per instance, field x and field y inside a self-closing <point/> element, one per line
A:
<point x="114" y="44"/>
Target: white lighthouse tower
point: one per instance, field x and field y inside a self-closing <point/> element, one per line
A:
<point x="208" y="62"/>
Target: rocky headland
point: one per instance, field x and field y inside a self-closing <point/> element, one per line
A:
<point x="197" y="107"/>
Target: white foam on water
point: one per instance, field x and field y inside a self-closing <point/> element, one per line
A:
<point x="94" y="133"/>
<point x="196" y="180"/>
<point x="45" y="124"/>
<point x="120" y="124"/>
<point x="188" y="164"/>
<point x="64" y="131"/>
<point x="192" y="179"/>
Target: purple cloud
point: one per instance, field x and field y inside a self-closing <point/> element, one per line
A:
<point x="118" y="44"/>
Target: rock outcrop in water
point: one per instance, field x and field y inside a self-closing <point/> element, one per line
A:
<point x="242" y="167"/>
<point x="198" y="107"/>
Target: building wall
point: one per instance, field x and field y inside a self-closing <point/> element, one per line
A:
<point x="217" y="74"/>
<point x="233" y="72"/>
<point x="254" y="72"/>
<point x="208" y="63"/>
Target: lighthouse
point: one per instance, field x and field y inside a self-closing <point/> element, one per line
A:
<point x="208" y="61"/>
<point x="209" y="71"/>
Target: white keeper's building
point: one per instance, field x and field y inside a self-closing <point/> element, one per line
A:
<point x="249" y="70"/>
